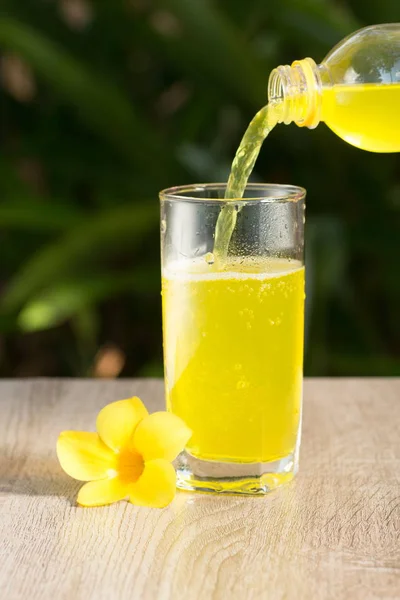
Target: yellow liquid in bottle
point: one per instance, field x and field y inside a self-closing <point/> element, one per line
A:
<point x="364" y="115"/>
<point x="233" y="351"/>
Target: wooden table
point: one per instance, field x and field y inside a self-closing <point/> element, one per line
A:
<point x="332" y="533"/>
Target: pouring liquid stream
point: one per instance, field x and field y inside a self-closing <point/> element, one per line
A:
<point x="242" y="166"/>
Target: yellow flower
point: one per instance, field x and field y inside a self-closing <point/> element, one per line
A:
<point x="130" y="456"/>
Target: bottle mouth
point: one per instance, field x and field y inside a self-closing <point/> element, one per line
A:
<point x="280" y="90"/>
<point x="275" y="85"/>
<point x="294" y="91"/>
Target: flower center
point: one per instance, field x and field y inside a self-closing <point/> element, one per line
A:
<point x="130" y="465"/>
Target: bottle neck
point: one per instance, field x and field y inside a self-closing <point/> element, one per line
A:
<point x="295" y="92"/>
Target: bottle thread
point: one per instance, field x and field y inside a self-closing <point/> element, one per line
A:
<point x="295" y="92"/>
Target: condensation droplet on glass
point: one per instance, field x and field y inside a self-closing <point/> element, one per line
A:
<point x="209" y="258"/>
<point x="237" y="367"/>
<point x="163" y="226"/>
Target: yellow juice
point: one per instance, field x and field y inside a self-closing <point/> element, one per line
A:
<point x="364" y="115"/>
<point x="233" y="354"/>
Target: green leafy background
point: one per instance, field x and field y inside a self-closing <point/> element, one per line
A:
<point x="105" y="102"/>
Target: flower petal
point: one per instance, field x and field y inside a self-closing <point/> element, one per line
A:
<point x="161" y="435"/>
<point x="106" y="491"/>
<point x="117" y="421"/>
<point x="83" y="455"/>
<point x="157" y="485"/>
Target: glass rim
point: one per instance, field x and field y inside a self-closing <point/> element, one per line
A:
<point x="292" y="193"/>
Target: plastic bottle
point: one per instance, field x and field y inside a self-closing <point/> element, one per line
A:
<point x="355" y="90"/>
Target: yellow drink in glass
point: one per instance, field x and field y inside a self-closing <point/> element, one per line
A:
<point x="233" y="333"/>
<point x="234" y="356"/>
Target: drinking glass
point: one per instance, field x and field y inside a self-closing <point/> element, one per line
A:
<point x="233" y="334"/>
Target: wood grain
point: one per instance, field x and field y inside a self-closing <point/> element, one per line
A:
<point x="332" y="533"/>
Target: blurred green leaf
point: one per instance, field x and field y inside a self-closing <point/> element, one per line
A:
<point x="98" y="103"/>
<point x="66" y="299"/>
<point x="39" y="217"/>
<point x="380" y="365"/>
<point x="211" y="42"/>
<point x="386" y="12"/>
<point x="326" y="264"/>
<point x="152" y="369"/>
<point x="103" y="235"/>
<point x="327" y="253"/>
<point x="86" y="325"/>
<point x="23" y="209"/>
<point x="317" y="20"/>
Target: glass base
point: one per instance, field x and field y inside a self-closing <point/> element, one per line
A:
<point x="194" y="474"/>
